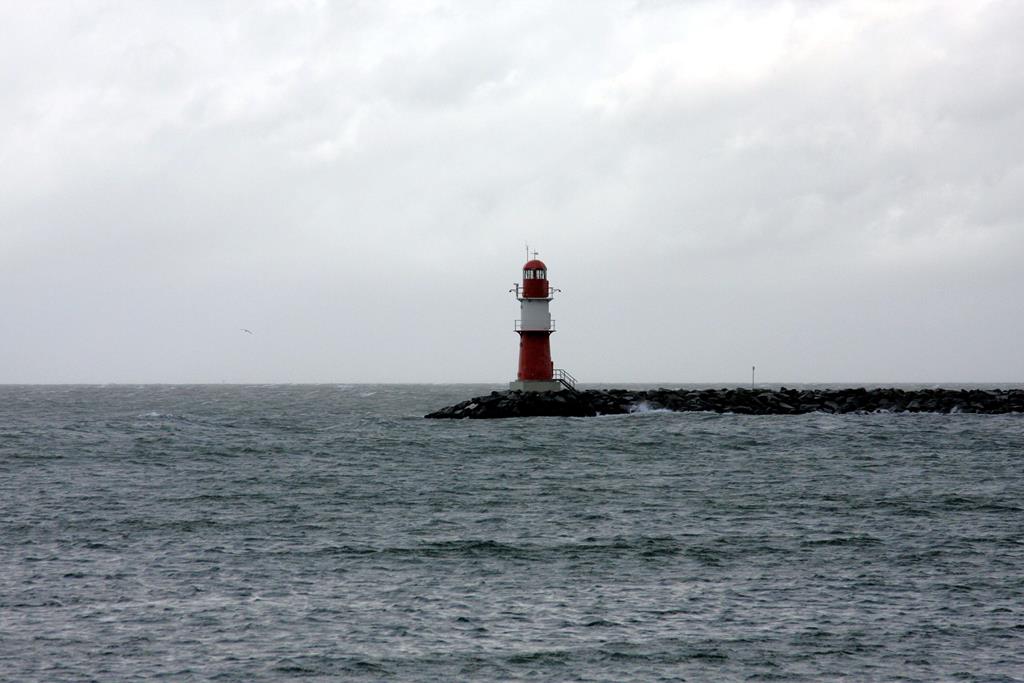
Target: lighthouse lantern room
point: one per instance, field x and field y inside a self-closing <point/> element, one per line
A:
<point x="536" y="371"/>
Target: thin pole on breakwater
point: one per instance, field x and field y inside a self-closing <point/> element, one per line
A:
<point x="752" y="369"/>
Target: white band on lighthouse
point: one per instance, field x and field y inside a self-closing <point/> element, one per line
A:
<point x="535" y="315"/>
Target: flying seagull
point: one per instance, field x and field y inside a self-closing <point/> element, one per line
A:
<point x="245" y="330"/>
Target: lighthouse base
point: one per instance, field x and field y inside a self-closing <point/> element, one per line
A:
<point x="536" y="385"/>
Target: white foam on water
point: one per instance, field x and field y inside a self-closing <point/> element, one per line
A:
<point x="645" y="407"/>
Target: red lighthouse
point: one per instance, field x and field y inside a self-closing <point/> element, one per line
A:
<point x="536" y="371"/>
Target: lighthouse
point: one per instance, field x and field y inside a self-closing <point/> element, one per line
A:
<point x="536" y="371"/>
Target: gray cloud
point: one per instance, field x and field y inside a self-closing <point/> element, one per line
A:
<point x="832" y="191"/>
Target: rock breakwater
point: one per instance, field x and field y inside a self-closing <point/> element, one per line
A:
<point x="590" y="402"/>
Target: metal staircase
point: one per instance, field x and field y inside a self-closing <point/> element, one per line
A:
<point x="567" y="380"/>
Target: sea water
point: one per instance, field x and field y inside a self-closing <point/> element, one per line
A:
<point x="329" y="532"/>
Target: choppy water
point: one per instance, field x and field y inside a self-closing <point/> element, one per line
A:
<point x="329" y="532"/>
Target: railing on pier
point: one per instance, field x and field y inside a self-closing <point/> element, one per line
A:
<point x="567" y="380"/>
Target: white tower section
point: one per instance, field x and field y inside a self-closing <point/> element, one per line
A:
<point x="535" y="316"/>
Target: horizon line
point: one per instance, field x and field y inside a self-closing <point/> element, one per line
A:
<point x="769" y="383"/>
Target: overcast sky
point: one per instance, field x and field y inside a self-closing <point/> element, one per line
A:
<point x="832" y="191"/>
